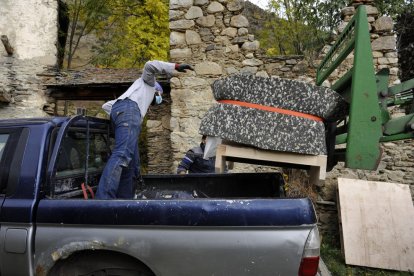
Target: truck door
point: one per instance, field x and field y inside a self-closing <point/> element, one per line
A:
<point x="12" y="145"/>
<point x="8" y="141"/>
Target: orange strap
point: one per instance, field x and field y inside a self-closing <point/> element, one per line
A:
<point x="272" y="109"/>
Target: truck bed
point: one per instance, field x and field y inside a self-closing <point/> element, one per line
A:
<point x="239" y="223"/>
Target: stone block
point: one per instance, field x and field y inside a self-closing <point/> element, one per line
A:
<point x="242" y="31"/>
<point x="206" y="21"/>
<point x="192" y="37"/>
<point x="249" y="70"/>
<point x="235" y="5"/>
<point x="377" y="54"/>
<point x="178" y="4"/>
<point x="252" y="62"/>
<point x="347" y="11"/>
<point x="383" y="61"/>
<point x="180" y="53"/>
<point x="251" y="46"/>
<point x="182" y="24"/>
<point x="383" y="24"/>
<point x="174" y="14"/>
<point x="372" y="11"/>
<point x="200" y="2"/>
<point x="177" y="38"/>
<point x="384" y="43"/>
<point x="239" y="21"/>
<point x="391" y="55"/>
<point x="194" y="12"/>
<point x="215" y="7"/>
<point x="208" y="68"/>
<point x="231" y="32"/>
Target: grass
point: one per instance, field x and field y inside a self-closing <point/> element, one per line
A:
<point x="332" y="256"/>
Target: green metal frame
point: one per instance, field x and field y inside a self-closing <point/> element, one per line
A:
<point x="368" y="122"/>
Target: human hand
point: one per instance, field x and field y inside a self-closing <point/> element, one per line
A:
<point x="182" y="67"/>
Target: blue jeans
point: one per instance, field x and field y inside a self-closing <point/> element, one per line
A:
<point x="117" y="178"/>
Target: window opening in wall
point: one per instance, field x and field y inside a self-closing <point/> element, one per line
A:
<point x="80" y="111"/>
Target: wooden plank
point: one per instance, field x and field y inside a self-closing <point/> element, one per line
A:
<point x="377" y="224"/>
<point x="316" y="162"/>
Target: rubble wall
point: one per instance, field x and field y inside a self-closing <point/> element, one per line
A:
<point x="33" y="37"/>
<point x="213" y="36"/>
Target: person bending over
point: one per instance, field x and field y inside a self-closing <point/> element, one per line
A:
<point x="126" y="114"/>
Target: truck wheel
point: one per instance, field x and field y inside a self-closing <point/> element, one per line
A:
<point x="94" y="263"/>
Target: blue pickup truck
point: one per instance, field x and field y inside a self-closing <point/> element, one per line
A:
<point x="211" y="224"/>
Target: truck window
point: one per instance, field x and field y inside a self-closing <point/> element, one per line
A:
<point x="3" y="165"/>
<point x="80" y="162"/>
<point x="3" y="140"/>
<point x="12" y="147"/>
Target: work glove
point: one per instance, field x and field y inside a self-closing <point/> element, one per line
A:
<point x="182" y="67"/>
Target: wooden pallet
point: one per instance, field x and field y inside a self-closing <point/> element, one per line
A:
<point x="243" y="154"/>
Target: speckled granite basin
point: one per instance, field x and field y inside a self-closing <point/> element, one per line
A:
<point x="283" y="93"/>
<point x="272" y="130"/>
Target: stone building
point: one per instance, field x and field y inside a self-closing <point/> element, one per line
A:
<point x="213" y="36"/>
<point x="33" y="37"/>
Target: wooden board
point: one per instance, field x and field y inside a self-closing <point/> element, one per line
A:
<point x="377" y="224"/>
<point x="317" y="163"/>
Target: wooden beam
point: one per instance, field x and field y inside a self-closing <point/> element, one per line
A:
<point x="7" y="46"/>
<point x="4" y="96"/>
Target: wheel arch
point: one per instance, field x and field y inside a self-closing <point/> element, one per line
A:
<point x="99" y="256"/>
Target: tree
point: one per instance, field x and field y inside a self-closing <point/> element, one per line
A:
<point x="128" y="32"/>
<point x="137" y="31"/>
<point x="304" y="26"/>
<point x="300" y="26"/>
<point x="393" y="8"/>
<point x="85" y="17"/>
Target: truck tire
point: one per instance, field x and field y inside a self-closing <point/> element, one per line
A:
<point x="95" y="263"/>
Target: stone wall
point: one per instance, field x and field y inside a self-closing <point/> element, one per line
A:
<point x="33" y="36"/>
<point x="158" y="137"/>
<point x="214" y="37"/>
<point x="383" y="41"/>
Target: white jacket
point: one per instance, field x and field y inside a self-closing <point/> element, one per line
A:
<point x="143" y="89"/>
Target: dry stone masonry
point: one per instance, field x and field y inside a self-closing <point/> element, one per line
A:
<point x="214" y="36"/>
<point x="33" y="37"/>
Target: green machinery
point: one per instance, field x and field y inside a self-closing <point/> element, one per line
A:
<point x="368" y="121"/>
